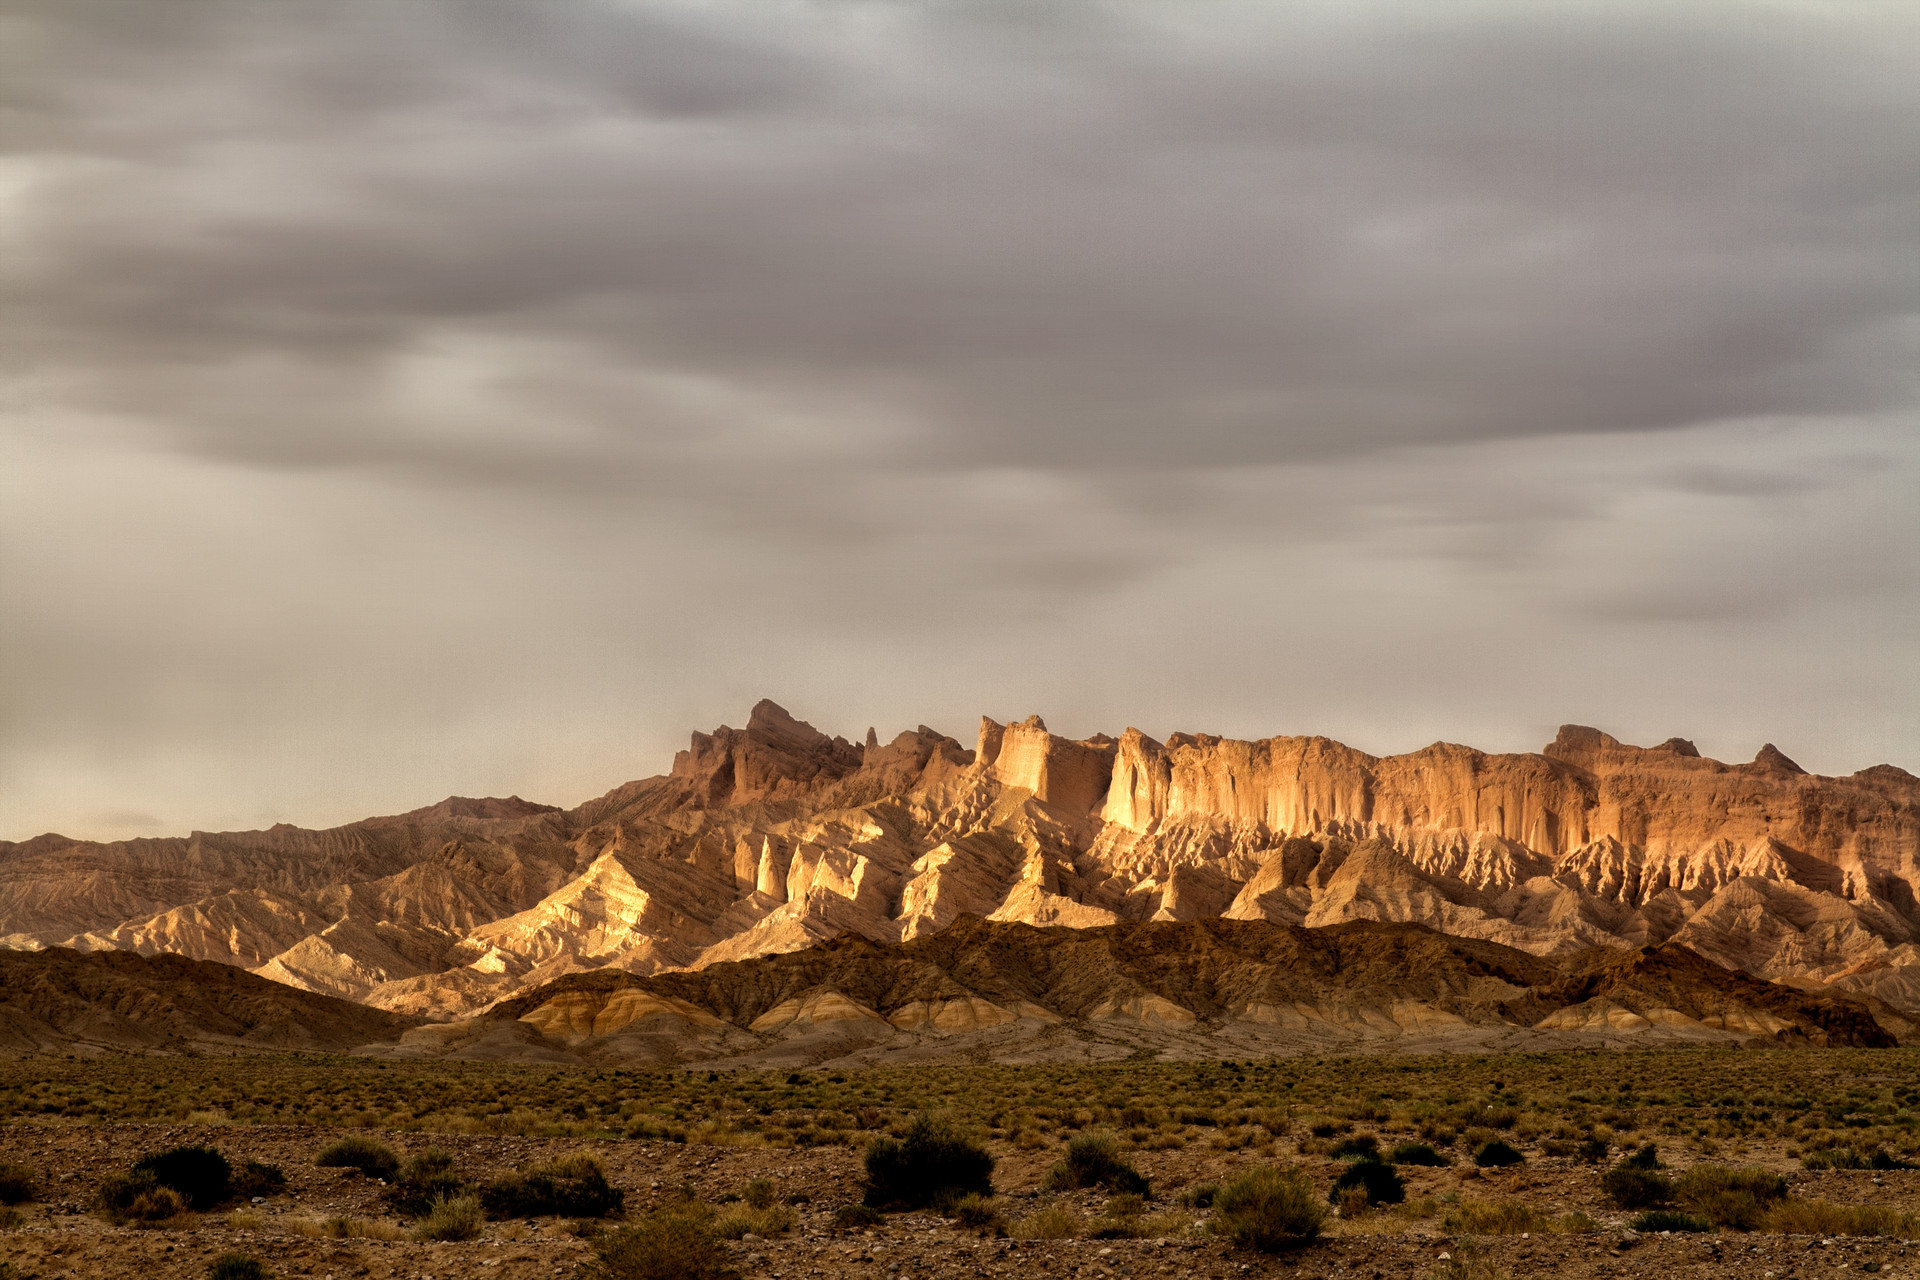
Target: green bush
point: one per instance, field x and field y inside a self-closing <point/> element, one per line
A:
<point x="1417" y="1153"/>
<point x="674" y="1244"/>
<point x="1738" y="1199"/>
<point x="1853" y="1158"/>
<point x="1496" y="1155"/>
<point x="237" y="1266"/>
<point x="256" y="1179"/>
<point x="1200" y="1196"/>
<point x="1094" y="1160"/>
<point x="1267" y="1209"/>
<point x="932" y="1165"/>
<point x="454" y="1218"/>
<point x="573" y="1187"/>
<point x="16" y="1183"/>
<point x="976" y="1212"/>
<point x="200" y="1174"/>
<point x="1669" y="1220"/>
<point x="138" y="1196"/>
<point x="1361" y="1146"/>
<point x="371" y="1157"/>
<point x="424" y="1180"/>
<point x="1632" y="1186"/>
<point x="1379" y="1181"/>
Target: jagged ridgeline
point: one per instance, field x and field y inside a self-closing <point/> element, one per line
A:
<point x="775" y="837"/>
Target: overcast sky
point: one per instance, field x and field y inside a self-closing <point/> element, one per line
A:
<point x="407" y="399"/>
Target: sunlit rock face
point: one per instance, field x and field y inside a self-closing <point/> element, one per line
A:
<point x="776" y="837"/>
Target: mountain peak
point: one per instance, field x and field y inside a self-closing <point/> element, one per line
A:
<point x="1771" y="757"/>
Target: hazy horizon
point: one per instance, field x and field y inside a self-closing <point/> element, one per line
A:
<point x="478" y="398"/>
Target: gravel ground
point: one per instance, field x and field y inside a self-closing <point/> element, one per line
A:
<point x="61" y="1238"/>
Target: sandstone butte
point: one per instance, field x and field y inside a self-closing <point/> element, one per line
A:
<point x="775" y="837"/>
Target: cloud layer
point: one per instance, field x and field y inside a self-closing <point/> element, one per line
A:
<point x="476" y="396"/>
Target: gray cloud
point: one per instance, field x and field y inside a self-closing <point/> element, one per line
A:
<point x="668" y="354"/>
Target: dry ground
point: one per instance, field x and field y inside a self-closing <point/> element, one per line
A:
<point x="1825" y="1100"/>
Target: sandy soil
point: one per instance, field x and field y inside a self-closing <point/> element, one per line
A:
<point x="60" y="1237"/>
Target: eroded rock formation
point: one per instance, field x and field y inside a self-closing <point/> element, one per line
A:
<point x="1201" y="988"/>
<point x="776" y="837"/>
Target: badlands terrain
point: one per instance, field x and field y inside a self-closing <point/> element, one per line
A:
<point x="977" y="991"/>
<point x="772" y="838"/>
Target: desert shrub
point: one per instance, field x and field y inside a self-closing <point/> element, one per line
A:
<point x="857" y="1216"/>
<point x="200" y="1174"/>
<point x="138" y="1196"/>
<point x="1849" y="1157"/>
<point x="11" y="1218"/>
<point x="1268" y="1209"/>
<point x="16" y="1183"/>
<point x="1377" y="1181"/>
<point x="455" y="1218"/>
<point x="1496" y="1155"/>
<point x="1818" y="1218"/>
<point x="423" y="1180"/>
<point x="1734" y="1198"/>
<point x="1647" y="1157"/>
<point x="1109" y="1227"/>
<point x="1417" y="1153"/>
<point x="670" y="1245"/>
<point x="572" y="1187"/>
<point x="237" y="1266"/>
<point x="357" y="1151"/>
<point x="1669" y="1220"/>
<point x="1054" y="1222"/>
<point x="932" y="1164"/>
<point x="1094" y="1160"/>
<point x="976" y="1212"/>
<point x="1463" y="1262"/>
<point x="341" y="1227"/>
<point x="746" y="1220"/>
<point x="1200" y="1195"/>
<point x="1632" y="1186"/>
<point x="256" y="1179"/>
<point x="1361" y="1146"/>
<point x="1492" y="1218"/>
<point x="759" y="1194"/>
<point x="1592" y="1151"/>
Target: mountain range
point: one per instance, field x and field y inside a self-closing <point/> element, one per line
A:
<point x="774" y="838"/>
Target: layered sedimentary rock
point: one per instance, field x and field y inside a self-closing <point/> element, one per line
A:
<point x="1202" y="988"/>
<point x="777" y="837"/>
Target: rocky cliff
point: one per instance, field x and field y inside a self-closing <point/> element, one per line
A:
<point x="775" y="837"/>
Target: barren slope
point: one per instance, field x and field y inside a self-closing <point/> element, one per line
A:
<point x="1203" y="988"/>
<point x="60" y="1001"/>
